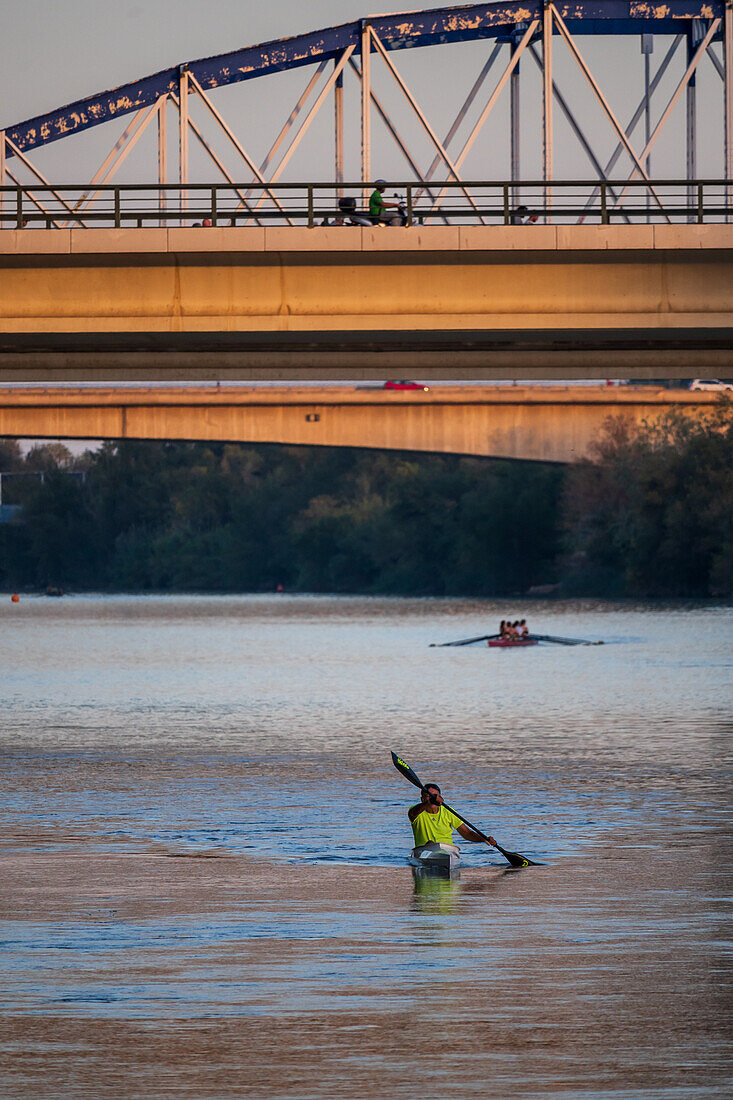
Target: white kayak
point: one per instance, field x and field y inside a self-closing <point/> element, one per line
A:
<point x="436" y="857"/>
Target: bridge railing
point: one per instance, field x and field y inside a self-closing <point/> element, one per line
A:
<point x="501" y="202"/>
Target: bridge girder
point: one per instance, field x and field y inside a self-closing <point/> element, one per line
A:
<point x="539" y="424"/>
<point x="439" y="302"/>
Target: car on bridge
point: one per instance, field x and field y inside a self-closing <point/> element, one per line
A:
<point x="710" y="384"/>
<point x="404" y="385"/>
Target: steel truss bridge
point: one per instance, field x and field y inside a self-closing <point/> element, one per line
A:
<point x="459" y="293"/>
<point x="620" y="185"/>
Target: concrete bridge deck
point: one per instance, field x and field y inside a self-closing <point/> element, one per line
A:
<point x="467" y="302"/>
<point x="538" y="423"/>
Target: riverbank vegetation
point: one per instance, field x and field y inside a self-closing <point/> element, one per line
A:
<point x="650" y="513"/>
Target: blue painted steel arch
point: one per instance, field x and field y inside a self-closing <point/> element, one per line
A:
<point x="407" y="30"/>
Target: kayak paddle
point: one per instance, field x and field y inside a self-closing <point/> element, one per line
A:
<point x="513" y="857"/>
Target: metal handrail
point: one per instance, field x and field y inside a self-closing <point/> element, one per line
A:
<point x="497" y="200"/>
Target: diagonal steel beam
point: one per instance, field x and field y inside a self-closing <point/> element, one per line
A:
<point x="39" y="175"/>
<point x="688" y="74"/>
<point x="426" y="125"/>
<point x="226" y="128"/>
<point x="338" y="68"/>
<point x="573" y="122"/>
<point x="466" y="107"/>
<point x="381" y="111"/>
<point x="292" y="117"/>
<point x="717" y="63"/>
<point x="603" y="101"/>
<point x="232" y="138"/>
<point x="395" y="134"/>
<point x="38" y="205"/>
<point x="207" y="148"/>
<point x="101" y="174"/>
<point x="118" y="154"/>
<point x="637" y="115"/>
<point x="315" y="108"/>
<point x="513" y="62"/>
<point x="288" y="124"/>
<point x="413" y="103"/>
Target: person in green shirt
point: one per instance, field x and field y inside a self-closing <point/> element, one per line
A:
<point x="432" y="822"/>
<point x="378" y="205"/>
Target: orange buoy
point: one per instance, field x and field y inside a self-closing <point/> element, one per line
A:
<point x="15" y="597"/>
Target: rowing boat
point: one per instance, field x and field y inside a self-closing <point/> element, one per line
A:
<point x="495" y="640"/>
<point x="441" y="858"/>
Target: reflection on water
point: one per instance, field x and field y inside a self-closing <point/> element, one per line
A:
<point x="203" y="851"/>
<point x="434" y="892"/>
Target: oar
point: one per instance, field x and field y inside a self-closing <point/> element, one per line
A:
<point x="514" y="857"/>
<point x="463" y="641"/>
<point x="563" y="641"/>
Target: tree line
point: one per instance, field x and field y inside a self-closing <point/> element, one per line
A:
<point x="649" y="513"/>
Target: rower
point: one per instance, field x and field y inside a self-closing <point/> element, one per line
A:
<point x="523" y="629"/>
<point x="433" y="823"/>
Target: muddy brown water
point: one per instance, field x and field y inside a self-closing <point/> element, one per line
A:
<point x="203" y="884"/>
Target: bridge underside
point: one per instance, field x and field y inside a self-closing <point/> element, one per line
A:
<point x="542" y="424"/>
<point x="357" y="355"/>
<point x="472" y="302"/>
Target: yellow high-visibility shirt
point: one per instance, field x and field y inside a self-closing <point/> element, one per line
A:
<point x="436" y="827"/>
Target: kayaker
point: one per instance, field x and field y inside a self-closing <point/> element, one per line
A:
<point x="432" y="822"/>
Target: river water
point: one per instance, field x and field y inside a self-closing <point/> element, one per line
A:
<point x="204" y="888"/>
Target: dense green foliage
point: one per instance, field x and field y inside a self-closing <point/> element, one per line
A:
<point x="180" y="516"/>
<point x="651" y="513"/>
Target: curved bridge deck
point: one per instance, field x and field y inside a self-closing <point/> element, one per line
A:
<point x="541" y="423"/>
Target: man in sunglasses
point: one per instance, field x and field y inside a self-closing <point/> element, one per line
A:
<point x="433" y="823"/>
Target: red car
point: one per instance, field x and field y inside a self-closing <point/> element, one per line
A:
<point x="404" y="385"/>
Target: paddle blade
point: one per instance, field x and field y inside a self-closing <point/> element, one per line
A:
<point x="514" y="857"/>
<point x="406" y="770"/>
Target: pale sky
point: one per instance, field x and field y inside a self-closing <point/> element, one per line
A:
<point x="52" y="53"/>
